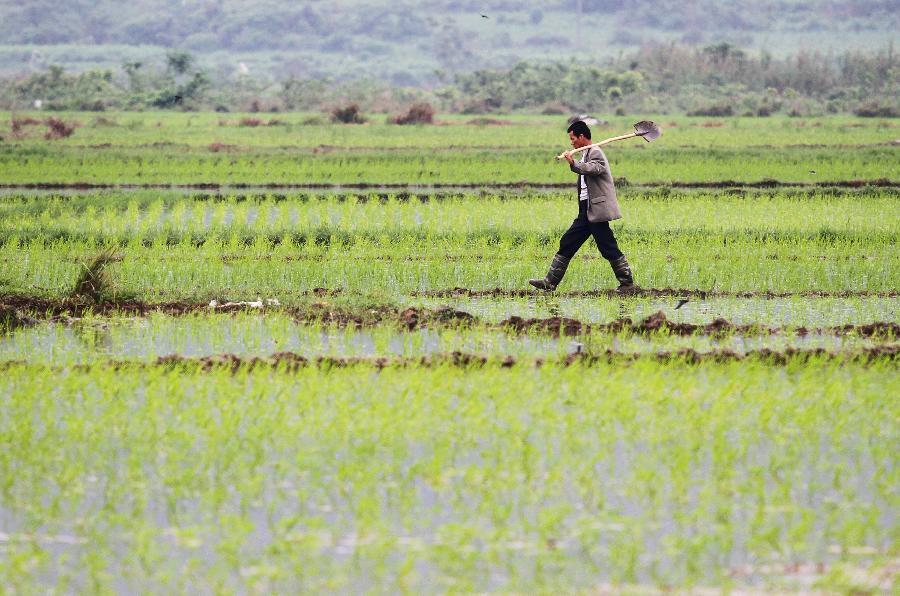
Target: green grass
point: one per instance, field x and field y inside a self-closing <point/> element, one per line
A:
<point x="126" y="129"/>
<point x="175" y="149"/>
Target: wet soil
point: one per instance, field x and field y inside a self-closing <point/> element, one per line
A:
<point x="11" y="318"/>
<point x="289" y="361"/>
<point x="878" y="182"/>
<point x="53" y="308"/>
<point x="646" y="293"/>
<point x="658" y="323"/>
<point x="23" y="311"/>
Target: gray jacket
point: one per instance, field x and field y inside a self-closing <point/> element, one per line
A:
<point x="602" y="202"/>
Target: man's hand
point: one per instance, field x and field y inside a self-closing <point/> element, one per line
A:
<point x="568" y="156"/>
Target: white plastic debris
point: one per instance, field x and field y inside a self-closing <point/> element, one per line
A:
<point x="258" y="303"/>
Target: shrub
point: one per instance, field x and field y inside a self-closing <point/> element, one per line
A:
<point x="17" y="125"/>
<point x="554" y="108"/>
<point x="488" y="122"/>
<point x="717" y="110"/>
<point x="102" y="121"/>
<point x="250" y="122"/>
<point x="58" y="129"/>
<point x="257" y="105"/>
<point x="420" y="113"/>
<point x="27" y="121"/>
<point x="348" y="114"/>
<point x="482" y="106"/>
<point x="873" y="109"/>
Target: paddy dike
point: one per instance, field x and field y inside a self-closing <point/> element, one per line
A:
<point x="658" y="323"/>
<point x="463" y="359"/>
<point x="292" y="362"/>
<point x="442" y="186"/>
<point x="21" y="311"/>
<point x="647" y="293"/>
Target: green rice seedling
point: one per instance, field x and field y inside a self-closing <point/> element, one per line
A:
<point x="172" y="454"/>
<point x="173" y="130"/>
<point x="394" y="246"/>
<point x="660" y="474"/>
<point x="749" y="150"/>
<point x="94" y="283"/>
<point x="673" y="165"/>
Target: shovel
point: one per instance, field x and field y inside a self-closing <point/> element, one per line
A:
<point x="645" y="128"/>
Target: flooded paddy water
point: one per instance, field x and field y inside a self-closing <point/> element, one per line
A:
<point x="370" y="427"/>
<point x="476" y="479"/>
<point x="792" y="311"/>
<point x="95" y="338"/>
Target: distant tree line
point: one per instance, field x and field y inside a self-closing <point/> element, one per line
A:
<point x="717" y="80"/>
<point x="178" y="85"/>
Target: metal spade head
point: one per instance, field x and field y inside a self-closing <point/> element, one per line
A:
<point x="647" y="129"/>
<point x="589" y="120"/>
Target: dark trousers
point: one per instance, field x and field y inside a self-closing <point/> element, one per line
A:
<point x="581" y="229"/>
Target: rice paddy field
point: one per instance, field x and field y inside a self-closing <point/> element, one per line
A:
<point x="248" y="353"/>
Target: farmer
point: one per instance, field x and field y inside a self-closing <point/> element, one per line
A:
<point x="597" y="206"/>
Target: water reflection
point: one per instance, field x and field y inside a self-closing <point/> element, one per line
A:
<point x="810" y="312"/>
<point x="262" y="335"/>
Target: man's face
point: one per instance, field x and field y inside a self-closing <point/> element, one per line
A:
<point x="579" y="141"/>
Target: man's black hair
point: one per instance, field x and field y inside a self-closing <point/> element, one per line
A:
<point x="579" y="128"/>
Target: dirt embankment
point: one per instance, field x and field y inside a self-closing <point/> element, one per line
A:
<point x="214" y="186"/>
<point x="648" y="293"/>
<point x="49" y="308"/>
<point x="292" y="362"/>
<point x="19" y="311"/>
<point x="658" y="323"/>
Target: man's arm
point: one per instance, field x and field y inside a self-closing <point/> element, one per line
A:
<point x="594" y="166"/>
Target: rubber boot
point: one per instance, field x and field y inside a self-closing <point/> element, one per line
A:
<point x="557" y="269"/>
<point x="622" y="270"/>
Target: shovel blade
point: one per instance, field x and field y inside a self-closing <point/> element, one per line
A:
<point x="647" y="129"/>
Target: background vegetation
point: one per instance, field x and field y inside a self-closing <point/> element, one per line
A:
<point x="650" y="55"/>
<point x="717" y="80"/>
<point x="407" y="42"/>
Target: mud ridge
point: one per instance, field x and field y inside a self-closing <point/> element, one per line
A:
<point x="24" y="311"/>
<point x="647" y="293"/>
<point x="658" y="323"/>
<point x="17" y="311"/>
<point x="55" y="308"/>
<point x="289" y="361"/>
<point x="859" y="183"/>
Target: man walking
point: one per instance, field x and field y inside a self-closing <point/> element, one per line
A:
<point x="597" y="206"/>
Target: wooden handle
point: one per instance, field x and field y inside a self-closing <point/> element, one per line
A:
<point x="597" y="144"/>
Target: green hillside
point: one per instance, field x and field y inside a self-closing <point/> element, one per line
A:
<point x="405" y="43"/>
